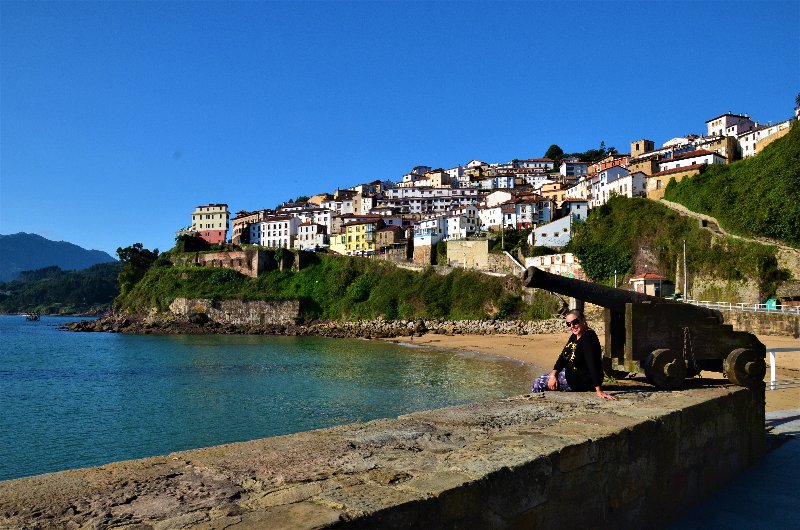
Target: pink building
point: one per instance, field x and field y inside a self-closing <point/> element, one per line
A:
<point x="211" y="222"/>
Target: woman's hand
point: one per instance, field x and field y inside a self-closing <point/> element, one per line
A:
<point x="552" y="382"/>
<point x="603" y="395"/>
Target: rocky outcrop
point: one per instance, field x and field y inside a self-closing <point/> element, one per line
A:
<point x="195" y="323"/>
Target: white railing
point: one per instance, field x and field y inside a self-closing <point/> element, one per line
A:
<point x="754" y="308"/>
<point x="774" y="383"/>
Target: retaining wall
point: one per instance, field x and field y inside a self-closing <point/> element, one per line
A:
<point x="555" y="460"/>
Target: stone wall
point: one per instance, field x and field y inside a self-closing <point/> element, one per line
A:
<point x="468" y="253"/>
<point x="237" y="312"/>
<point x="502" y="264"/>
<point x="553" y="460"/>
<point x="250" y="262"/>
<point x="764" y="323"/>
<point x="423" y="254"/>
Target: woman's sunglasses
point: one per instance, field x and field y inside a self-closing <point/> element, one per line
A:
<point x="573" y="323"/>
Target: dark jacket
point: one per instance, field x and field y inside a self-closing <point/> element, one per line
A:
<point x="581" y="358"/>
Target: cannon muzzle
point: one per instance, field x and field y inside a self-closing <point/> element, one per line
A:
<point x="594" y="293"/>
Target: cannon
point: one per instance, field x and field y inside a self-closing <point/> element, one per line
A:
<point x="666" y="339"/>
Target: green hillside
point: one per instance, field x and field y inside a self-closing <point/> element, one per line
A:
<point x="53" y="291"/>
<point x="640" y="235"/>
<point x="759" y="196"/>
<point x="338" y="287"/>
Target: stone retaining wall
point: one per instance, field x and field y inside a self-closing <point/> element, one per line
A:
<point x="764" y="323"/>
<point x="236" y="312"/>
<point x="554" y="460"/>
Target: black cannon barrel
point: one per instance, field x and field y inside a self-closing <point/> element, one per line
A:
<point x="613" y="299"/>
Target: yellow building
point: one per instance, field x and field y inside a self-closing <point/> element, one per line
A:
<point x="359" y="237"/>
<point x="657" y="182"/>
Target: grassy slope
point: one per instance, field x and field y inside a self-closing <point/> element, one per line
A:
<point x="618" y="235"/>
<point x="351" y="288"/>
<point x="759" y="196"/>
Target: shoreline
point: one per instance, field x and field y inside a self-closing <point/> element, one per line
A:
<point x="541" y="351"/>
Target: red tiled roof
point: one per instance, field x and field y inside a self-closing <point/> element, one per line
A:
<point x="648" y="276"/>
<point x="693" y="154"/>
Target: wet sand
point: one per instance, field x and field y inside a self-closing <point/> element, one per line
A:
<point x="541" y="351"/>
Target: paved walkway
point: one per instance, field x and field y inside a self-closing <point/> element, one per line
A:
<point x="768" y="494"/>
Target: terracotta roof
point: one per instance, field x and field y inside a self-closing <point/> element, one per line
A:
<point x="648" y="276"/>
<point x="679" y="170"/>
<point x="364" y="222"/>
<point x="693" y="154"/>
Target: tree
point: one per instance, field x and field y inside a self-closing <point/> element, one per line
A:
<point x="797" y="99"/>
<point x="554" y="152"/>
<point x="135" y="261"/>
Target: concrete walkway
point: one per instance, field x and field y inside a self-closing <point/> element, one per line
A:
<point x="768" y="494"/>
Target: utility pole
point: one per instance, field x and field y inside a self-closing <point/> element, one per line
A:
<point x="685" y="276"/>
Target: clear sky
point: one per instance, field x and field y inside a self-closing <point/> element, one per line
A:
<point x="118" y="118"/>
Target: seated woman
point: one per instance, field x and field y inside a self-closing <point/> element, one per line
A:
<point x="579" y="366"/>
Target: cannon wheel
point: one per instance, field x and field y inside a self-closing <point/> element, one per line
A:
<point x="665" y="369"/>
<point x="745" y="367"/>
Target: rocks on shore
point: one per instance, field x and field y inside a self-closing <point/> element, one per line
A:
<point x="378" y="328"/>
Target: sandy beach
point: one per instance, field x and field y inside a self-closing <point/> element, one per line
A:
<point x="541" y="351"/>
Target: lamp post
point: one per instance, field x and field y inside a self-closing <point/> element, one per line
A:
<point x="615" y="278"/>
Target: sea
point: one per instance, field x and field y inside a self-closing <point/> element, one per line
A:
<point x="70" y="400"/>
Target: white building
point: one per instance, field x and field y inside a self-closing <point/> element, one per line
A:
<point x="310" y="236"/>
<point x="561" y="264"/>
<point x="573" y="168"/>
<point x="699" y="156"/>
<point x="428" y="232"/>
<point x="319" y="216"/>
<point x="631" y="185"/>
<point x="577" y="209"/>
<point x="556" y="234"/>
<point x="546" y="164"/>
<point x="748" y="140"/>
<point x="455" y="173"/>
<point x="537" y="180"/>
<point x="581" y="190"/>
<point x="497" y="197"/>
<point x="461" y="223"/>
<point x="491" y="217"/>
<point x="730" y="125"/>
<point x="277" y="231"/>
<point x="602" y="181"/>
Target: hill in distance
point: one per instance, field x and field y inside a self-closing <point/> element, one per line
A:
<point x="24" y="252"/>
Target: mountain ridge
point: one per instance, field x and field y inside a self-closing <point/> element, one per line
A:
<point x="23" y="251"/>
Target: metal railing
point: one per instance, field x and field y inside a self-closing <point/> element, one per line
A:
<point x="782" y="384"/>
<point x="754" y="308"/>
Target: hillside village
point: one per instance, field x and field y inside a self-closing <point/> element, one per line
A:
<point x="405" y="220"/>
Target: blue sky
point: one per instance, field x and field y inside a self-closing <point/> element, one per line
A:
<point x="118" y="118"/>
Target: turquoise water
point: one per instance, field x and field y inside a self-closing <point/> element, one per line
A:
<point x="70" y="400"/>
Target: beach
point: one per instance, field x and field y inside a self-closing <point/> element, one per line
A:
<point x="541" y="350"/>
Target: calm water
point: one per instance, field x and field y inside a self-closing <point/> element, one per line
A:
<point x="70" y="400"/>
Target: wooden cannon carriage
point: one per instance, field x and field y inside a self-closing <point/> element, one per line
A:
<point x="665" y="339"/>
